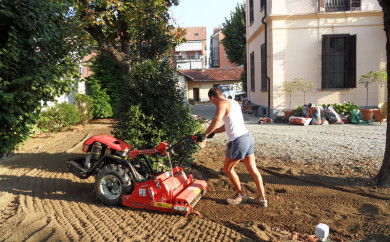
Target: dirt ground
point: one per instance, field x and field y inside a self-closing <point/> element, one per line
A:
<point x="40" y="200"/>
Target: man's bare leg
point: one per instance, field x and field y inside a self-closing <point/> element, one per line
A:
<point x="230" y="164"/>
<point x="250" y="164"/>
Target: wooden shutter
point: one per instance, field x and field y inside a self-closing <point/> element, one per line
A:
<point x="263" y="68"/>
<point x="252" y="63"/>
<point x="325" y="61"/>
<point x="351" y="64"/>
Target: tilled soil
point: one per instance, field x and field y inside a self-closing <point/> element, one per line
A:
<point x="41" y="200"/>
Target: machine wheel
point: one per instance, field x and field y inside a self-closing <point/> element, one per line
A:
<point x="112" y="182"/>
<point x="230" y="97"/>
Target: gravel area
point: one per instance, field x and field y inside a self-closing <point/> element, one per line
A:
<point x="346" y="144"/>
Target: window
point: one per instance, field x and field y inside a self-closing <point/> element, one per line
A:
<point x="252" y="64"/>
<point x="251" y="18"/>
<point x="263" y="68"/>
<point x="338" y="61"/>
<point x="339" y="5"/>
<point x="196" y="34"/>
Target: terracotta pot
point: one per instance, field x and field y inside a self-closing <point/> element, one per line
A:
<point x="367" y="113"/>
<point x="288" y="113"/>
<point x="377" y="114"/>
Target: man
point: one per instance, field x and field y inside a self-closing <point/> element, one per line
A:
<point x="240" y="146"/>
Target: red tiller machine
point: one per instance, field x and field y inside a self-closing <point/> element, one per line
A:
<point x="125" y="176"/>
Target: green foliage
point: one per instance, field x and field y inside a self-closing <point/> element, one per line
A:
<point x="298" y="112"/>
<point x="59" y="117"/>
<point x="110" y="76"/>
<point x="142" y="29"/>
<point x="234" y="41"/>
<point x="345" y="109"/>
<point x="234" y="30"/>
<point x="38" y="61"/>
<point x="289" y="87"/>
<point x="138" y="36"/>
<point x="371" y="77"/>
<point x="304" y="86"/>
<point x="155" y="111"/>
<point x="83" y="104"/>
<point x="100" y="100"/>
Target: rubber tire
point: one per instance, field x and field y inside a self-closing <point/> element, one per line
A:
<point x="123" y="178"/>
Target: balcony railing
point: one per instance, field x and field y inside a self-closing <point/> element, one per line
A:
<point x="188" y="57"/>
<point x="337" y="5"/>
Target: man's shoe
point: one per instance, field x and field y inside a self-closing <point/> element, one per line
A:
<point x="262" y="203"/>
<point x="237" y="199"/>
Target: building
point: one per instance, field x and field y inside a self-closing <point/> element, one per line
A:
<point x="192" y="53"/>
<point x="198" y="82"/>
<point x="329" y="42"/>
<point x="218" y="57"/>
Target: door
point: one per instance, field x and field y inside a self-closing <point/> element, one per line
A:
<point x="196" y="94"/>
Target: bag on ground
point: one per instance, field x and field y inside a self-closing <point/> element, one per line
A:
<point x="332" y="116"/>
<point x="299" y="120"/>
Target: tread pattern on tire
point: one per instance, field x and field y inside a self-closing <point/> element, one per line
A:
<point x="124" y="177"/>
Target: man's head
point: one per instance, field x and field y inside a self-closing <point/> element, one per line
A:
<point x="214" y="94"/>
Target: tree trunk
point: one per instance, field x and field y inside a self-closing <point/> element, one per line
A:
<point x="384" y="172"/>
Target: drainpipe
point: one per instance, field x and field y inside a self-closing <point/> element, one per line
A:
<point x="266" y="58"/>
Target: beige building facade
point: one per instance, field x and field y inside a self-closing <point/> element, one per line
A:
<point x="329" y="42"/>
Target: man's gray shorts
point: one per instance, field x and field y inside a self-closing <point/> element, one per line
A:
<point x="240" y="147"/>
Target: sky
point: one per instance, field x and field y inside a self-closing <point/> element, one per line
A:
<point x="198" y="13"/>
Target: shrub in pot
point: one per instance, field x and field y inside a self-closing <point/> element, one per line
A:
<point x="366" y="80"/>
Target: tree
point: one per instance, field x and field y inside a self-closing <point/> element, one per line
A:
<point x="289" y="87"/>
<point x="110" y="76"/>
<point x="129" y="31"/>
<point x="39" y="48"/>
<point x="304" y="86"/>
<point x="234" y="41"/>
<point x="384" y="172"/>
<point x="138" y="37"/>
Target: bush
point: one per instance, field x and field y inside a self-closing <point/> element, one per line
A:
<point x="110" y="76"/>
<point x="100" y="100"/>
<point x="154" y="110"/>
<point x="83" y="105"/>
<point x="59" y="117"/>
<point x="298" y="112"/>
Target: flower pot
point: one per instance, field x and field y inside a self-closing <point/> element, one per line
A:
<point x="367" y="113"/>
<point x="378" y="115"/>
<point x="288" y="113"/>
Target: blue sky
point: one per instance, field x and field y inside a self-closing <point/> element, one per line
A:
<point x="209" y="13"/>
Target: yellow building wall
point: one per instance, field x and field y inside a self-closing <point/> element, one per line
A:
<point x="295" y="51"/>
<point x="204" y="88"/>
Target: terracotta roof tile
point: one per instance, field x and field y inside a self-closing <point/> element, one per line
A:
<point x="195" y="33"/>
<point x="215" y="74"/>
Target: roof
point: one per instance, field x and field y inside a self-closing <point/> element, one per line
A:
<point x="195" y="33"/>
<point x="214" y="74"/>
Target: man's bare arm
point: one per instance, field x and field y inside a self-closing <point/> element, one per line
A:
<point x="221" y="110"/>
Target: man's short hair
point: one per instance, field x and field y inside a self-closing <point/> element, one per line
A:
<point x="215" y="92"/>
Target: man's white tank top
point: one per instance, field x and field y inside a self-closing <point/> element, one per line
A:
<point x="234" y="121"/>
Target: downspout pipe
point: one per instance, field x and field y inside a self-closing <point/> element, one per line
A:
<point x="266" y="58"/>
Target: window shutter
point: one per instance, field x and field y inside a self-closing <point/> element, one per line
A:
<point x="321" y="6"/>
<point x="263" y="68"/>
<point x="325" y="61"/>
<point x="252" y="63"/>
<point x="351" y="64"/>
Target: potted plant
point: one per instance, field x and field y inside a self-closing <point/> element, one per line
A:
<point x="289" y="88"/>
<point x="366" y="80"/>
<point x="304" y="86"/>
<point x="381" y="77"/>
